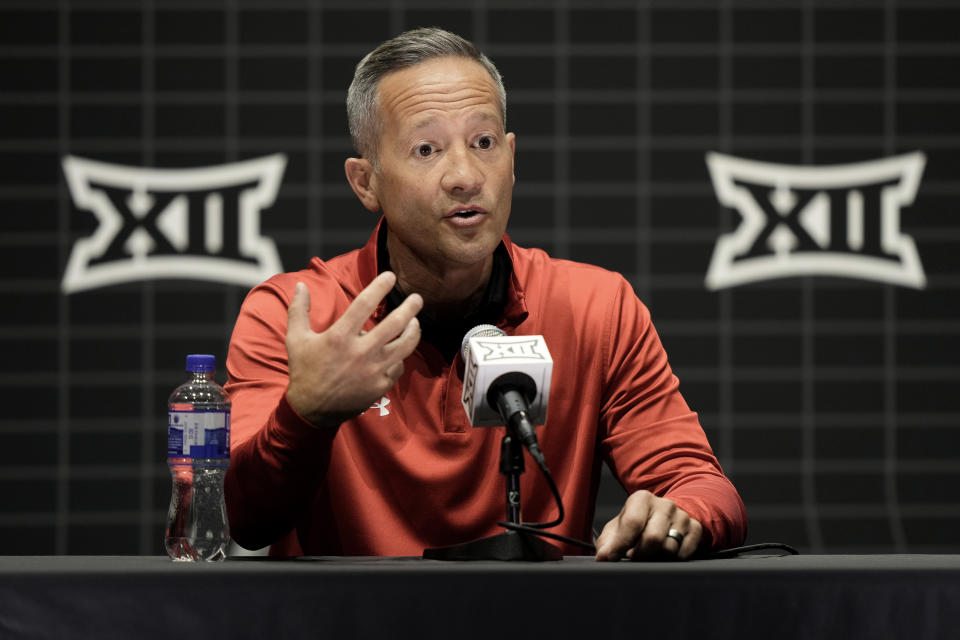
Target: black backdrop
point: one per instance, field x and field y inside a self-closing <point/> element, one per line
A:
<point x="830" y="401"/>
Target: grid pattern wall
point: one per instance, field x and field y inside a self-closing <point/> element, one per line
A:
<point x="830" y="401"/>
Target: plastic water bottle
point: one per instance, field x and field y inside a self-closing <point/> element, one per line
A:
<point x="198" y="453"/>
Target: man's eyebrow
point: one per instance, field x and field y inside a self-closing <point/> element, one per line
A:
<point x="487" y="116"/>
<point x="423" y="124"/>
<point x="431" y="120"/>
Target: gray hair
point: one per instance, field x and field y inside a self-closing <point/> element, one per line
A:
<point x="406" y="50"/>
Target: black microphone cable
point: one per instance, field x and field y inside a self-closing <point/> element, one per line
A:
<point x="537" y="528"/>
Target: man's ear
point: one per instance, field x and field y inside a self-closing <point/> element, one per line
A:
<point x="361" y="177"/>
<point x="512" y="141"/>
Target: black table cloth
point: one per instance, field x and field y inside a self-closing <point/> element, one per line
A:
<point x="868" y="596"/>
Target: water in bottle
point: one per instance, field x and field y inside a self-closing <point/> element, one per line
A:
<point x="198" y="453"/>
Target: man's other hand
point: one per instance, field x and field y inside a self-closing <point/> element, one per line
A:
<point x="339" y="373"/>
<point x="640" y="531"/>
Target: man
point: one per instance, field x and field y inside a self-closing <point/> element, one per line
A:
<point x="348" y="434"/>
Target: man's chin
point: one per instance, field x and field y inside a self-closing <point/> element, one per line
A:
<point x="472" y="251"/>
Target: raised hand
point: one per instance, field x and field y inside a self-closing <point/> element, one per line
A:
<point x="337" y="374"/>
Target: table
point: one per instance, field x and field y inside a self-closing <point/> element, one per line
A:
<point x="868" y="596"/>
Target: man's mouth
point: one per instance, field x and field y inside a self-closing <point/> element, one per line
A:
<point x="466" y="212"/>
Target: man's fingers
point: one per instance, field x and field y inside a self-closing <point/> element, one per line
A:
<point x="365" y="303"/>
<point x="670" y="544"/>
<point x="400" y="348"/>
<point x="404" y="344"/>
<point x="394" y="372"/>
<point x="602" y="543"/>
<point x="613" y="543"/>
<point x="398" y="321"/>
<point x="626" y="527"/>
<point x="298" y="313"/>
<point x="336" y="374"/>
<point x="679" y="525"/>
<point x="654" y="535"/>
<point x="640" y="531"/>
<point x="691" y="540"/>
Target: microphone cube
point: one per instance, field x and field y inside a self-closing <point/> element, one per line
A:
<point x="490" y="357"/>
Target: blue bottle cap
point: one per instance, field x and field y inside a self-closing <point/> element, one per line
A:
<point x="201" y="363"/>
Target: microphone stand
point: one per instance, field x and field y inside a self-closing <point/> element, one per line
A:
<point x="511" y="544"/>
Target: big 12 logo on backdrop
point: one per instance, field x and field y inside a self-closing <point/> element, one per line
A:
<point x="199" y="223"/>
<point x="837" y="220"/>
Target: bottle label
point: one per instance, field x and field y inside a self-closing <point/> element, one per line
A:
<point x="198" y="434"/>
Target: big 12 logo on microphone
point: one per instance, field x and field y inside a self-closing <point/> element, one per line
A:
<point x="488" y="358"/>
<point x="198" y="223"/>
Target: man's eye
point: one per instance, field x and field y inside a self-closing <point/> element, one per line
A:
<point x="424" y="150"/>
<point x="484" y="142"/>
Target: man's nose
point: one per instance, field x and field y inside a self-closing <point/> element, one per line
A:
<point x="463" y="173"/>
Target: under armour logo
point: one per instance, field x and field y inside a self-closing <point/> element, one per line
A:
<point x="200" y="223"/>
<point x="382" y="405"/>
<point x="840" y="220"/>
<point x="498" y="350"/>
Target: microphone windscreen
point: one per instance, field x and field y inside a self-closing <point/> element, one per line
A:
<point x="479" y="331"/>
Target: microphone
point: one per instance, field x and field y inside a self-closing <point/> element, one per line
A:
<point x="506" y="381"/>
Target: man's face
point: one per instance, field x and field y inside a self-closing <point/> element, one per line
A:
<point x="445" y="180"/>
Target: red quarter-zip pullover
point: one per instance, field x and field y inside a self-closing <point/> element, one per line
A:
<point x="411" y="473"/>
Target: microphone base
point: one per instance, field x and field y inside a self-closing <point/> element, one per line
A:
<point x="509" y="545"/>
